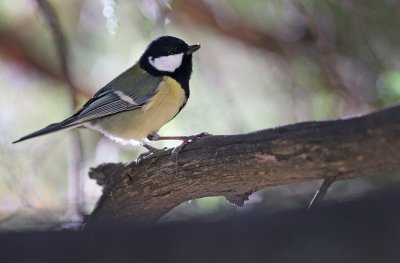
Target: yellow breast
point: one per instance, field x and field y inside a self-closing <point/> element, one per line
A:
<point x="161" y="108"/>
<point x="170" y="97"/>
<point x="138" y="124"/>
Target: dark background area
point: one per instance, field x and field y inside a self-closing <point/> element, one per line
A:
<point x="363" y="230"/>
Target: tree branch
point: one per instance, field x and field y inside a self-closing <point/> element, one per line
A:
<point x="238" y="165"/>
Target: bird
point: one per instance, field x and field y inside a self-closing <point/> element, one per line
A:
<point x="138" y="102"/>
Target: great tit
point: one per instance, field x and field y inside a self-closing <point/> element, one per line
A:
<point x="138" y="102"/>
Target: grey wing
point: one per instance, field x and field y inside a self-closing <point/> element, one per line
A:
<point x="109" y="101"/>
<point x="108" y="104"/>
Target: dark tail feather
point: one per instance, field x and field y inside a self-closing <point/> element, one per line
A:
<point x="49" y="129"/>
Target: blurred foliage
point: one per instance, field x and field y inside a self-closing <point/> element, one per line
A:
<point x="262" y="64"/>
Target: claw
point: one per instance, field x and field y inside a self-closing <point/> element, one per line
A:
<point x="151" y="151"/>
<point x="194" y="137"/>
<point x="143" y="156"/>
<point x="185" y="142"/>
<point x="177" y="149"/>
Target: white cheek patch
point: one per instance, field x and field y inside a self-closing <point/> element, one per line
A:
<point x="167" y="63"/>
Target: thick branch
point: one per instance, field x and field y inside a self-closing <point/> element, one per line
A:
<point x="236" y="166"/>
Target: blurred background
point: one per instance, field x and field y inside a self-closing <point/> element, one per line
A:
<point x="262" y="64"/>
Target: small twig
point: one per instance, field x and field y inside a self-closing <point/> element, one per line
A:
<point x="326" y="57"/>
<point x="61" y="44"/>
<point x="75" y="152"/>
<point x="320" y="194"/>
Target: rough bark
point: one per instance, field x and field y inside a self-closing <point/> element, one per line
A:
<point x="236" y="166"/>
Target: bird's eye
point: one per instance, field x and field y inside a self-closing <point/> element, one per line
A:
<point x="172" y="51"/>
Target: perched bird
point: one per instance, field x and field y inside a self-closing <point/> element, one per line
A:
<point x="138" y="102"/>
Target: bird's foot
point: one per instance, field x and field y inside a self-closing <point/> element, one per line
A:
<point x="151" y="151"/>
<point x="185" y="141"/>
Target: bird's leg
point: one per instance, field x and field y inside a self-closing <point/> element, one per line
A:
<point x="150" y="151"/>
<point x="184" y="139"/>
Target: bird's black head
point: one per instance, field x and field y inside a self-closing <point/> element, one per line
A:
<point x="169" y="56"/>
